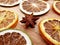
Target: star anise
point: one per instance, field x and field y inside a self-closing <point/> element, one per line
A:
<point x="29" y="20"/>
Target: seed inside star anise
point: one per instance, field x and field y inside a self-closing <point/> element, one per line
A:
<point x="29" y="20"/>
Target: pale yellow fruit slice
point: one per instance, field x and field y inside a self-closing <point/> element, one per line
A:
<point x="7" y="19"/>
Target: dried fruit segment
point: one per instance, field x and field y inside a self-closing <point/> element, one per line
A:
<point x="34" y="6"/>
<point x="1" y="40"/>
<point x="12" y="39"/>
<point x="17" y="39"/>
<point x="9" y="2"/>
<point x="57" y="5"/>
<point x="53" y="28"/>
<point x="6" y="38"/>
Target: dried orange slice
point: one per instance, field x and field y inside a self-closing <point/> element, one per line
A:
<point x="50" y="30"/>
<point x="56" y="6"/>
<point x="36" y="7"/>
<point x="7" y="19"/>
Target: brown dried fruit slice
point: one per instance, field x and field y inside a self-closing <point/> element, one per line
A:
<point x="56" y="6"/>
<point x="14" y="37"/>
<point x="37" y="7"/>
<point x="50" y="30"/>
<point x="7" y="19"/>
<point x="9" y="2"/>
